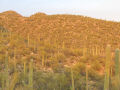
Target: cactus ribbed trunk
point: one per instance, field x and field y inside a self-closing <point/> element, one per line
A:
<point x="117" y="57"/>
<point x="25" y="73"/>
<point x="25" y="69"/>
<point x="3" y="81"/>
<point x="14" y="80"/>
<point x="63" y="45"/>
<point x="10" y="36"/>
<point x="28" y="38"/>
<point x="72" y="78"/>
<point x="43" y="60"/>
<point x="107" y="67"/>
<point x="31" y="75"/>
<point x="93" y="51"/>
<point x="96" y="50"/>
<point x="86" y="78"/>
<point x="84" y="52"/>
<point x="34" y="45"/>
<point x="6" y="72"/>
<point x="15" y="68"/>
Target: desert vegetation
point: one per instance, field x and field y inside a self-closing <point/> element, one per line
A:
<point x="58" y="52"/>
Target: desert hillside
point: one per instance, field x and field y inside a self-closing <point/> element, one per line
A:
<point x="72" y="29"/>
<point x="69" y="50"/>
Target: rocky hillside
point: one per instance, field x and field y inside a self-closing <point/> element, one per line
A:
<point x="74" y="30"/>
<point x="65" y="49"/>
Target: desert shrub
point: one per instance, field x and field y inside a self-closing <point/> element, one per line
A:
<point x="84" y="60"/>
<point x="77" y="52"/>
<point x="58" y="68"/>
<point x="93" y="74"/>
<point x="79" y="68"/>
<point x="60" y="57"/>
<point x="57" y="59"/>
<point x="70" y="52"/>
<point x="50" y="81"/>
<point x="96" y="65"/>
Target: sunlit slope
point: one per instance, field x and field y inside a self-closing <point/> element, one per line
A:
<point x="62" y="48"/>
<point x="75" y="31"/>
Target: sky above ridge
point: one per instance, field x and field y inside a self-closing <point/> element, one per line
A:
<point x="101" y="9"/>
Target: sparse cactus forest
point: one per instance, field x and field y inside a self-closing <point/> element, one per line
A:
<point x="58" y="52"/>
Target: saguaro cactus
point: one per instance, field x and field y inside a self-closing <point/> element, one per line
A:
<point x="15" y="68"/>
<point x="10" y="36"/>
<point x="3" y="81"/>
<point x="107" y="67"/>
<point x="31" y="75"/>
<point x="25" y="73"/>
<point x="25" y="69"/>
<point x="86" y="78"/>
<point x="96" y="50"/>
<point x="117" y="73"/>
<point x="84" y="52"/>
<point x="14" y="80"/>
<point x="34" y="45"/>
<point x="43" y="60"/>
<point x="93" y="51"/>
<point x="6" y="72"/>
<point x="72" y="78"/>
<point x="28" y="39"/>
<point x="63" y="45"/>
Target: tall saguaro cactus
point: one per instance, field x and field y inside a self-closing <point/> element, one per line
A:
<point x="14" y="80"/>
<point x="31" y="75"/>
<point x="25" y="73"/>
<point x="86" y="78"/>
<point x="93" y="51"/>
<point x="34" y="45"/>
<point x="43" y="58"/>
<point x="10" y="36"/>
<point x="96" y="50"/>
<point x="63" y="45"/>
<point x="84" y="52"/>
<point x="3" y="81"/>
<point x="25" y="69"/>
<point x="107" y="67"/>
<point x="15" y="68"/>
<point x="72" y="78"/>
<point x="28" y="39"/>
<point x="117" y="73"/>
<point x="6" y="72"/>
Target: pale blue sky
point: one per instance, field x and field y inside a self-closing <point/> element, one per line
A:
<point x="103" y="9"/>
